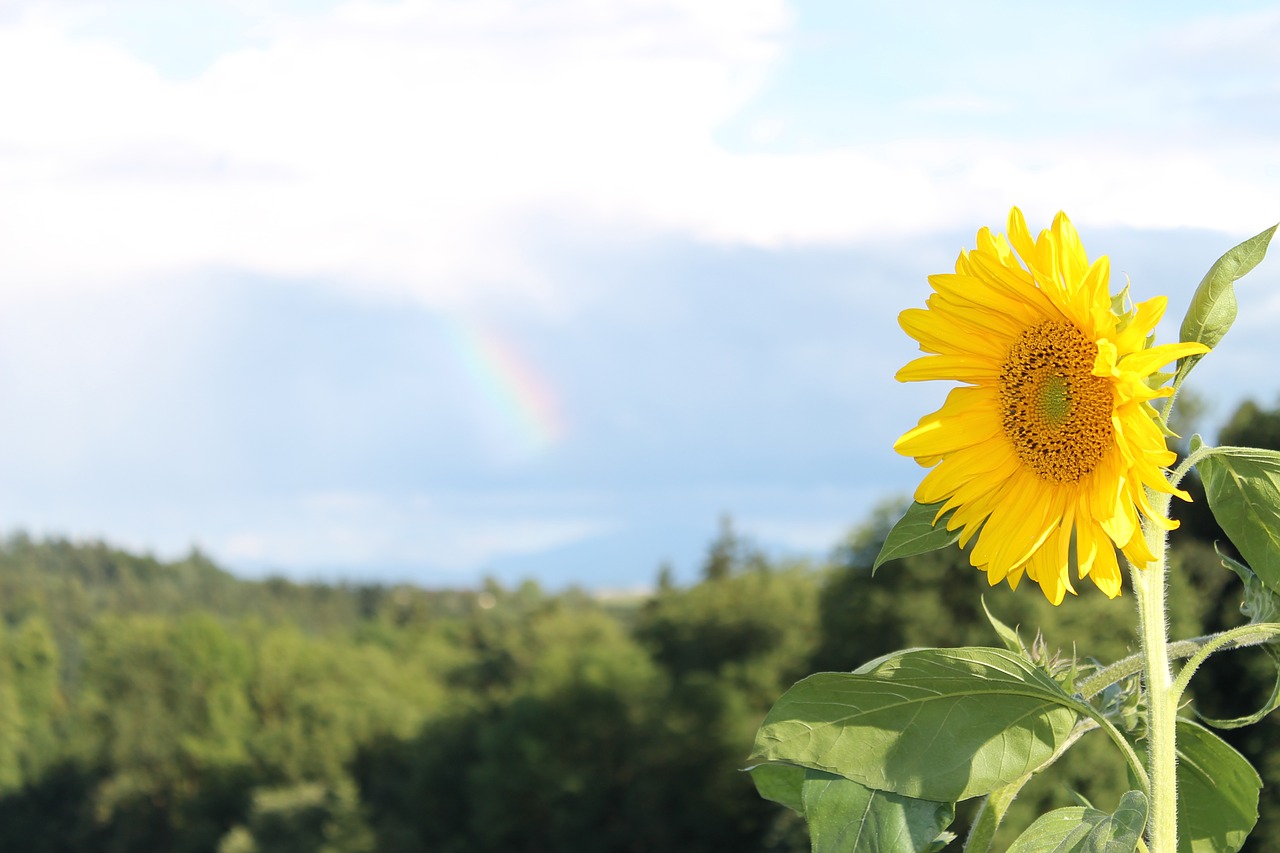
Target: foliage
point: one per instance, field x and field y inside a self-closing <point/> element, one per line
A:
<point x="170" y="706"/>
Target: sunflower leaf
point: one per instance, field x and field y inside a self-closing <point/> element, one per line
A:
<point x="932" y="724"/>
<point x="780" y="783"/>
<point x="1260" y="604"/>
<point x="1242" y="485"/>
<point x="1217" y="792"/>
<point x="1213" y="307"/>
<point x="1084" y="829"/>
<point x="846" y="817"/>
<point x="990" y="815"/>
<point x="915" y="533"/>
<point x="1246" y="574"/>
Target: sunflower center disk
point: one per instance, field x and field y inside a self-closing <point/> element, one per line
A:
<point x="1055" y="411"/>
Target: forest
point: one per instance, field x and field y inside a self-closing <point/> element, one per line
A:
<point x="169" y="706"/>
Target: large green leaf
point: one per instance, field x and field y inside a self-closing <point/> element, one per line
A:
<point x="1081" y="829"/>
<point x="845" y="817"/>
<point x="933" y="724"/>
<point x="1213" y="307"/>
<point x="915" y="533"/>
<point x="1217" y="793"/>
<point x="1243" y="489"/>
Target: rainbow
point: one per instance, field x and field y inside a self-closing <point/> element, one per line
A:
<point x="516" y="394"/>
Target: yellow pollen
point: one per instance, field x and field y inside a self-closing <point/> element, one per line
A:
<point x="1054" y="410"/>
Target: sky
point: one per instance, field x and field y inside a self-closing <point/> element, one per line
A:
<point x="440" y="290"/>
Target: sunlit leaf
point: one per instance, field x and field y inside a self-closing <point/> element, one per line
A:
<point x="1213" y="307"/>
<point x="1242" y="486"/>
<point x="846" y="817"/>
<point x="780" y="783"/>
<point x="933" y="724"/>
<point x="1083" y="829"/>
<point x="915" y="533"/>
<point x="1217" y="793"/>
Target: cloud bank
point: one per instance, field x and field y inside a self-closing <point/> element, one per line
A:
<point x="426" y="148"/>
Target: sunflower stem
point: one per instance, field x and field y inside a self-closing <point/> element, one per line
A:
<point x="1162" y="698"/>
<point x="1242" y="637"/>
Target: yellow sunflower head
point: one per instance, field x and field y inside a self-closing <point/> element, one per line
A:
<point x="1051" y="438"/>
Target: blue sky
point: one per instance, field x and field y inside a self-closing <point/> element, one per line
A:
<point x="436" y="289"/>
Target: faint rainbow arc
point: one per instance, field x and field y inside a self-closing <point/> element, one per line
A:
<point x="520" y="395"/>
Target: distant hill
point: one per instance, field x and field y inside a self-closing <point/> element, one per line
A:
<point x="71" y="582"/>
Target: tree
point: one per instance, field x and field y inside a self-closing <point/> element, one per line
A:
<point x="1252" y="426"/>
<point x="165" y="712"/>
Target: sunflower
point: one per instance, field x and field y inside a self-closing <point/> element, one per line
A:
<point x="1052" y="440"/>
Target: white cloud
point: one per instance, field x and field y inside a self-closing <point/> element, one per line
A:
<point x="431" y="534"/>
<point x="1228" y="42"/>
<point x="390" y="145"/>
<point x="436" y="537"/>
<point x="815" y="536"/>
<point x="421" y="147"/>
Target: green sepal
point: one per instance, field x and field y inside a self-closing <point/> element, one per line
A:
<point x="1084" y="829"/>
<point x="1213" y="307"/>
<point x="1158" y="379"/>
<point x="1008" y="636"/>
<point x="1122" y="306"/>
<point x="916" y="533"/>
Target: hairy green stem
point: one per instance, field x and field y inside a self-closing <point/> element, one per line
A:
<point x="1162" y="701"/>
<point x="1184" y="467"/>
<point x="1236" y="638"/>
<point x="1240" y="637"/>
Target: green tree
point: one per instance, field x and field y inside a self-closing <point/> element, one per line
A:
<point x="306" y="818"/>
<point x="316" y="700"/>
<point x="36" y="663"/>
<point x="729" y="552"/>
<point x="165" y="713"/>
<point x="755" y="629"/>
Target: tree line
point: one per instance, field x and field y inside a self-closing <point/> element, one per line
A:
<point x="169" y="706"/>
